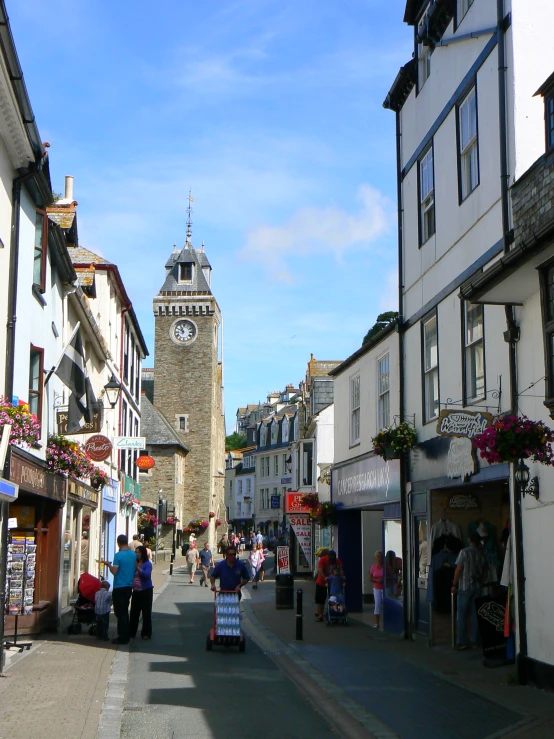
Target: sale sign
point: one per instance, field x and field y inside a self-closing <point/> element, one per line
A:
<point x="302" y="527"/>
<point x="283" y="565"/>
<point x="293" y="503"/>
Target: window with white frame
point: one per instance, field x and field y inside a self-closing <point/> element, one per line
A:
<point x="423" y="64"/>
<point x="426" y="196"/>
<point x="383" y="389"/>
<point x="274" y="432"/>
<point x="239" y="507"/>
<point x="307" y="463"/>
<point x="430" y="369"/>
<point x="263" y="435"/>
<point x="474" y="352"/>
<point x="354" y="410"/>
<point x="276" y="465"/>
<point x="462" y="8"/>
<point x="285" y="429"/>
<point x="468" y="144"/>
<point x="267" y="466"/>
<point x="262" y="466"/>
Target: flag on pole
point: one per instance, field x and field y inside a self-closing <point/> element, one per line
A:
<point x="72" y="372"/>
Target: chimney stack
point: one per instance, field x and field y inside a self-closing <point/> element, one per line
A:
<point x="69" y="188"/>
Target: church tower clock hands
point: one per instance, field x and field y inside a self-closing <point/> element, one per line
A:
<point x="188" y="380"/>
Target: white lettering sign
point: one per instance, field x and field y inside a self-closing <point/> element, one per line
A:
<point x="463" y="423"/>
<point x="365" y="481"/>
<point x="461" y="458"/>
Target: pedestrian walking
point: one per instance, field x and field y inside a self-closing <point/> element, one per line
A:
<point x="376" y="576"/>
<point x="259" y="538"/>
<point x="143" y="595"/>
<point x="232" y="573"/>
<point x="468" y="582"/>
<point x="192" y="561"/>
<point x="223" y="544"/>
<point x="252" y="540"/>
<point x="324" y="568"/>
<point x="206" y="561"/>
<point x="265" y="552"/>
<point x="102" y="608"/>
<point x="135" y="542"/>
<point x="123" y="570"/>
<point x="255" y="559"/>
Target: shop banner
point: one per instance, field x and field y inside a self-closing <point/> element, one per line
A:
<point x="283" y="565"/>
<point x="130" y="486"/>
<point x="491" y="612"/>
<point x="302" y="527"/>
<point x="366" y="482"/>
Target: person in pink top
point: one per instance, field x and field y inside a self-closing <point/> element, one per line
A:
<point x="376" y="575"/>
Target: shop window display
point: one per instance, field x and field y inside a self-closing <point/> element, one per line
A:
<point x="393" y="560"/>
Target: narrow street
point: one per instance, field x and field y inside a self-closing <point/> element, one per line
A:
<point x="175" y="688"/>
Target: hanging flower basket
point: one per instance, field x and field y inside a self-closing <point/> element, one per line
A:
<point x="98" y="478"/>
<point x="310" y="500"/>
<point x="68" y="457"/>
<point x="326" y="515"/>
<point x="212" y="514"/>
<point x="147" y="520"/>
<point x="197" y="526"/>
<point x="510" y="438"/>
<point x="392" y="442"/>
<point x="171" y="520"/>
<point x="25" y="428"/>
<point x="218" y="522"/>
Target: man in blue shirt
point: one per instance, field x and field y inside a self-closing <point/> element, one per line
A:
<point x="123" y="570"/>
<point x="232" y="574"/>
<point x="206" y="561"/>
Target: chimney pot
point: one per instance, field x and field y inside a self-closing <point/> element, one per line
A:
<point x="69" y="188"/>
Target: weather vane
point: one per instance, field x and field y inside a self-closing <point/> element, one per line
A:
<point x="189" y="219"/>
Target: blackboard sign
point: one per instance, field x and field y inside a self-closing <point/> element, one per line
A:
<point x="491" y="611"/>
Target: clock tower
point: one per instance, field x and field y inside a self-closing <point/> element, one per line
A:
<point x="188" y="380"/>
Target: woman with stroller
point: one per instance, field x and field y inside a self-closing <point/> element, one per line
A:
<point x="255" y="558"/>
<point x="142" y="597"/>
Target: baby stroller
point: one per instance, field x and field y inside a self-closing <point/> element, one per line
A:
<point x="83" y="610"/>
<point x="336" y="607"/>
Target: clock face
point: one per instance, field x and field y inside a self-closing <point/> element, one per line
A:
<point x="183" y="332"/>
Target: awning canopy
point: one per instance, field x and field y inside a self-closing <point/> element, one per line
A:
<point x="512" y="279"/>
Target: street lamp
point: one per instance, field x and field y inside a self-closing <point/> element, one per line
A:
<point x="527" y="486"/>
<point x="112" y="390"/>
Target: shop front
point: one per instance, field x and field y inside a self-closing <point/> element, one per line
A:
<point x="34" y="545"/>
<point x="452" y="495"/>
<point x="366" y="491"/>
<point x="81" y="537"/>
<point x="109" y="525"/>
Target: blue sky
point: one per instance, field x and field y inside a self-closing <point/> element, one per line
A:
<point x="271" y="111"/>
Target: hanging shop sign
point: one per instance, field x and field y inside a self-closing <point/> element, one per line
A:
<point x="275" y="501"/>
<point x="98" y="447"/>
<point x="283" y="563"/>
<point x="462" y="427"/>
<point x="293" y="503"/>
<point x="302" y="527"/>
<point x="35" y="479"/>
<point x="93" y="427"/>
<point x="130" y="487"/>
<point x="8" y="491"/>
<point x="145" y="462"/>
<point x="129" y="442"/>
<point x="366" y="482"/>
<point x="81" y="493"/>
<point x="286" y="480"/>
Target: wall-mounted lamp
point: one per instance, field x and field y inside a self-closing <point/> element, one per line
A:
<point x="526" y="485"/>
<point x="112" y="390"/>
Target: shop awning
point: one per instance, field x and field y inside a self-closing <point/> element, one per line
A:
<point x="513" y="278"/>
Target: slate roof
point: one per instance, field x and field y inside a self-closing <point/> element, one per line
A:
<point x="187" y="254"/>
<point x="156" y="428"/>
<point x="80" y="255"/>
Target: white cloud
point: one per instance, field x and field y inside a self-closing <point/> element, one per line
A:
<point x="319" y="231"/>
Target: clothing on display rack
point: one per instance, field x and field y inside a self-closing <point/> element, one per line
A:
<point x="439" y="582"/>
<point x="444" y="527"/>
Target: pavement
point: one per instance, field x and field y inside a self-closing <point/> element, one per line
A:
<point x="352" y="682"/>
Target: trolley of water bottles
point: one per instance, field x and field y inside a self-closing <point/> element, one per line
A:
<point x="226" y="630"/>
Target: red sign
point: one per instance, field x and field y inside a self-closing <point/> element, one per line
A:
<point x="283" y="560"/>
<point x="98" y="447"/>
<point x="293" y="503"/>
<point x="146" y="463"/>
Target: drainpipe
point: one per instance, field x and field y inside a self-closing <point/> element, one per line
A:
<point x="512" y="337"/>
<point x="404" y="513"/>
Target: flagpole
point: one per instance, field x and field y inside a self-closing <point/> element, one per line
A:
<point x="51" y="372"/>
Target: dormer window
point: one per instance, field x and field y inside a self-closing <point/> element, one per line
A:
<point x="549" y="118"/>
<point x="185" y="272"/>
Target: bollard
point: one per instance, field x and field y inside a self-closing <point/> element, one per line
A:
<point x="299" y="615"/>
<point x="171" y="569"/>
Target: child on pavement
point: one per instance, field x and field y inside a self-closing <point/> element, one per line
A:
<point x="102" y="608"/>
<point x="336" y="586"/>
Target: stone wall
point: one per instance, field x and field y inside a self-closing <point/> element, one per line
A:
<point x="532" y="200"/>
